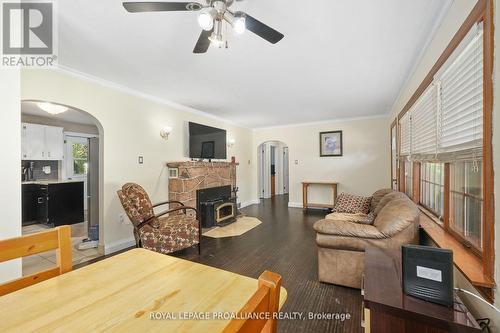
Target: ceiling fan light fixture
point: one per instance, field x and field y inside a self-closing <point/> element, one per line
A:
<point x="239" y="25"/>
<point x="216" y="40"/>
<point x="206" y="20"/>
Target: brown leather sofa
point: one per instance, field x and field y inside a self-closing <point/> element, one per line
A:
<point x="342" y="243"/>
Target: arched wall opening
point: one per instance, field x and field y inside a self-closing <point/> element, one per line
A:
<point x="82" y="161"/>
<point x="273" y="169"/>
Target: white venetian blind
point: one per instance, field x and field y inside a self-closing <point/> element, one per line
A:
<point x="461" y="122"/>
<point x="405" y="128"/>
<point x="424" y="123"/>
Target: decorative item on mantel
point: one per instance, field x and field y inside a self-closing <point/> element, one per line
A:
<point x="195" y="175"/>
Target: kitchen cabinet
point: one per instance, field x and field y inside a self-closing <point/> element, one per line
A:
<point x="53" y="203"/>
<point x="34" y="204"/>
<point x="40" y="142"/>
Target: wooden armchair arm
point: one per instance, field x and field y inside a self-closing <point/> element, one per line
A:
<point x="167" y="202"/>
<point x="184" y="208"/>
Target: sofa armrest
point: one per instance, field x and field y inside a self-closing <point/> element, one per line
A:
<point x="347" y="229"/>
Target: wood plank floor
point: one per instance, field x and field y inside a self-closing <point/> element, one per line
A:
<point x="284" y="243"/>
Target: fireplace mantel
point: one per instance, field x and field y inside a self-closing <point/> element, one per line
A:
<point x="194" y="175"/>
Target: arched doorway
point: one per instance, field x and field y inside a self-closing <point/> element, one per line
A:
<point x="62" y="149"/>
<point x="273" y="161"/>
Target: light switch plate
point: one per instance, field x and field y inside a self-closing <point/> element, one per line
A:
<point x="141" y="160"/>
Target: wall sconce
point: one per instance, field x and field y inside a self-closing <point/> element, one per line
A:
<point x="230" y="143"/>
<point x="165" y="132"/>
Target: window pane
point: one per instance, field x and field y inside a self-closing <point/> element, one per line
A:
<point x="466" y="213"/>
<point x="432" y="187"/>
<point x="80" y="150"/>
<point x="80" y="167"/>
<point x="474" y="220"/>
<point x="409" y="178"/>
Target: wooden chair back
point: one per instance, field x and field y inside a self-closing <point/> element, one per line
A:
<point x="58" y="239"/>
<point x="259" y="313"/>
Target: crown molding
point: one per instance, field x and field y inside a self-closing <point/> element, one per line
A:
<point x="130" y="91"/>
<point x="321" y="122"/>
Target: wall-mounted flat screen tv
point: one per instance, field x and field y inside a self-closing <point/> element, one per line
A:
<point x="207" y="142"/>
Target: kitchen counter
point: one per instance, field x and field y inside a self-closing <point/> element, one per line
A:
<point x="49" y="182"/>
<point x="53" y="202"/>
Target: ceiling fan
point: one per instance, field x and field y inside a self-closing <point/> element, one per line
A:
<point x="213" y="14"/>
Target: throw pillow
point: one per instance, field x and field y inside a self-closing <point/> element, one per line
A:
<point x="352" y="204"/>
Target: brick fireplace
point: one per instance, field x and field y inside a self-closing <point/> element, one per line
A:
<point x="188" y="177"/>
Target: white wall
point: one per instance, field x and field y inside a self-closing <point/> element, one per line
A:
<point x="131" y="125"/>
<point x="364" y="168"/>
<point x="10" y="176"/>
<point x="456" y="15"/>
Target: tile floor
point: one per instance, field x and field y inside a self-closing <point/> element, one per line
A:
<point x="46" y="260"/>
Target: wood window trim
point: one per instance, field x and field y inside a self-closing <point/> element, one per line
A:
<point x="394" y="178"/>
<point x="482" y="12"/>
<point x="416" y="182"/>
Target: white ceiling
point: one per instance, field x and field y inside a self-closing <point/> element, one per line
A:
<point x="72" y="115"/>
<point x="339" y="58"/>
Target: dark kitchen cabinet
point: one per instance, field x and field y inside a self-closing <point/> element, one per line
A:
<point x="65" y="203"/>
<point x="34" y="199"/>
<point x="53" y="204"/>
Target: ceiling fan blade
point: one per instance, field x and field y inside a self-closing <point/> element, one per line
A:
<point x="137" y="7"/>
<point x="262" y="30"/>
<point x="203" y="42"/>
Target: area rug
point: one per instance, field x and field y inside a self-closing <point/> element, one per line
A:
<point x="238" y="228"/>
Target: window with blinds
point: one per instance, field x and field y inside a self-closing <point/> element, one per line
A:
<point x="461" y="123"/>
<point x="448" y="116"/>
<point x="424" y="123"/>
<point x="405" y="134"/>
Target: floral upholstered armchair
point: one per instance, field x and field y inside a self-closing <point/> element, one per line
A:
<point x="172" y="230"/>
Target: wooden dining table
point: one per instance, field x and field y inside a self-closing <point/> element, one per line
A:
<point x="135" y="291"/>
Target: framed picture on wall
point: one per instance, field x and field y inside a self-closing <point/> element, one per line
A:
<point x="330" y="144"/>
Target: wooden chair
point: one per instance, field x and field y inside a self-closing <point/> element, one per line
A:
<point x="58" y="238"/>
<point x="265" y="303"/>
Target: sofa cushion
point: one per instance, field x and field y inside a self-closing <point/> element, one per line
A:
<point x="356" y="218"/>
<point x="409" y="235"/>
<point x="378" y="195"/>
<point x="348" y="203"/>
<point x="396" y="215"/>
<point x="348" y="229"/>
<point x="388" y="198"/>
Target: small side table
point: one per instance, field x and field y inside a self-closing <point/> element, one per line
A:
<point x="305" y="187"/>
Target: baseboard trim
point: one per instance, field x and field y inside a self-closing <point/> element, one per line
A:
<point x="119" y="245"/>
<point x="295" y="204"/>
<point x="249" y="203"/>
<point x="299" y="205"/>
